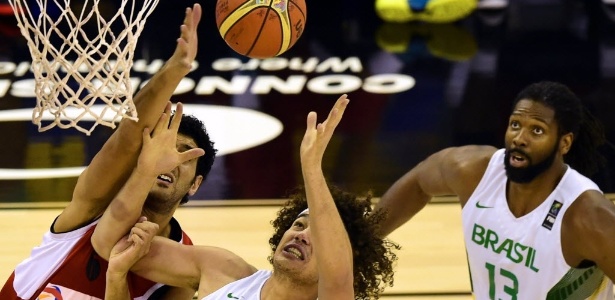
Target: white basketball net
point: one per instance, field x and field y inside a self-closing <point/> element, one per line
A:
<point x="74" y="68"/>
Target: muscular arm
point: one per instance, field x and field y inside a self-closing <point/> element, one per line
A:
<point x="204" y="267"/>
<point x="588" y="229"/>
<point x="329" y="237"/>
<point x="171" y="263"/>
<point x="112" y="165"/>
<point x="452" y="171"/>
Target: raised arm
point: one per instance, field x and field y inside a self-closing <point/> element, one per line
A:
<point x="110" y="168"/>
<point x="159" y="155"/>
<point x="452" y="171"/>
<point x="329" y="237"/>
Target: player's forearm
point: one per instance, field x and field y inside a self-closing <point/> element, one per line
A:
<point x="174" y="264"/>
<point x="401" y="202"/>
<point x="117" y="287"/>
<point x="123" y="212"/>
<point x="329" y="236"/>
<point x="128" y="203"/>
<point x="151" y="100"/>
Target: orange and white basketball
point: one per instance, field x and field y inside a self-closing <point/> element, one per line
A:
<point x="261" y="28"/>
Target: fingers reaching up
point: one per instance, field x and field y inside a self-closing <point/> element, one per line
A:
<point x="318" y="135"/>
<point x="187" y="43"/>
<point x="159" y="153"/>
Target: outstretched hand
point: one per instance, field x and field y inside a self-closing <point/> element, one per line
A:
<point x="187" y="43"/>
<point x="132" y="247"/>
<point x="317" y="136"/>
<point x="159" y="153"/>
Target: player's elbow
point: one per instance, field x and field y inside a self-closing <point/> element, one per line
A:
<point x="129" y="136"/>
<point x="120" y="211"/>
<point x="102" y="247"/>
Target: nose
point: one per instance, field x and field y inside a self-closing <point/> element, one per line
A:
<point x="302" y="238"/>
<point x="519" y="140"/>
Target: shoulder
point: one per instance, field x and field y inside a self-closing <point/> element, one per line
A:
<point x="463" y="167"/>
<point x="469" y="157"/>
<point x="588" y="227"/>
<point x="462" y="159"/>
<point x="589" y="210"/>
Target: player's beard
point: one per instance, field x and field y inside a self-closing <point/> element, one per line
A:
<point x="160" y="203"/>
<point x="529" y="173"/>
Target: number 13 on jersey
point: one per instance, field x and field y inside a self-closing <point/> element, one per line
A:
<point x="512" y="289"/>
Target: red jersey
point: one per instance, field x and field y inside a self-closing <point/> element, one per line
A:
<point x="66" y="266"/>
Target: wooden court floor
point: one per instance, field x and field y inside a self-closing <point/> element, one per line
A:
<point x="431" y="265"/>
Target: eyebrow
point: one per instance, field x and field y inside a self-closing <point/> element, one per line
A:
<point x="531" y="117"/>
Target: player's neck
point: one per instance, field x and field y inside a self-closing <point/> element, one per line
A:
<point x="163" y="221"/>
<point x="279" y="286"/>
<point x="522" y="198"/>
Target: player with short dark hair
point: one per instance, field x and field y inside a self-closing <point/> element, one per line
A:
<point x="65" y="264"/>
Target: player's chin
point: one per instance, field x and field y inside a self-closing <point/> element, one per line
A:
<point x="158" y="193"/>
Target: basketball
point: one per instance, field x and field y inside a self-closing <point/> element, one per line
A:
<point x="260" y="28"/>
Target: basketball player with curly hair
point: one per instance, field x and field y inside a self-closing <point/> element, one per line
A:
<point x="324" y="247"/>
<point x="372" y="256"/>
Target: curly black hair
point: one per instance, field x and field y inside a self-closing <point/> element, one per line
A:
<point x="192" y="127"/>
<point x="373" y="256"/>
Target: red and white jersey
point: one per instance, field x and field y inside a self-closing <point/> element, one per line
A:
<point x="66" y="266"/>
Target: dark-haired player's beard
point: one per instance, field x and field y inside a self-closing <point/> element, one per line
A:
<point x="527" y="174"/>
<point x="160" y="203"/>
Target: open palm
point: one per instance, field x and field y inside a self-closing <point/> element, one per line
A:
<point x="159" y="153"/>
<point x="317" y="136"/>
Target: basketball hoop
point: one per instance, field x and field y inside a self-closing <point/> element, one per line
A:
<point x="81" y="55"/>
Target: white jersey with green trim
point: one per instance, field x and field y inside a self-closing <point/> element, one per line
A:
<point x="248" y="288"/>
<point x="521" y="258"/>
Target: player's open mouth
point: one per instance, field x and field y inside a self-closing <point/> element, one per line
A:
<point x="518" y="160"/>
<point x="295" y="251"/>
<point x="165" y="178"/>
